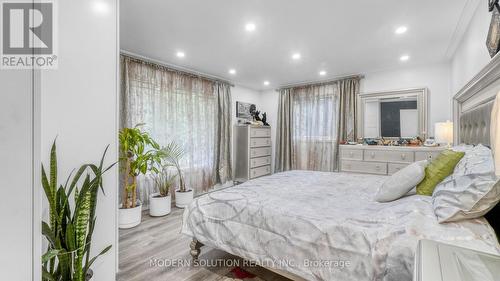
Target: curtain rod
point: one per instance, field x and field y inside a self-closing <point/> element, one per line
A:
<point x="311" y="83"/>
<point x="175" y="68"/>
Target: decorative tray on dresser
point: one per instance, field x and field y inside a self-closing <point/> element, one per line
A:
<point x="252" y="146"/>
<point x="382" y="160"/>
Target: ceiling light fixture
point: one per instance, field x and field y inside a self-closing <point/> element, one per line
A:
<point x="180" y="54"/>
<point x="401" y="30"/>
<point x="101" y="7"/>
<point x="322" y="73"/>
<point x="232" y="71"/>
<point x="250" y="27"/>
<point x="296" y="56"/>
<point x="266" y="83"/>
<point x="404" y="58"/>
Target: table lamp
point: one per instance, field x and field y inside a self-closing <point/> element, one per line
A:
<point x="443" y="132"/>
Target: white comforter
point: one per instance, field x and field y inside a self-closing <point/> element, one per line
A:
<point x="325" y="226"/>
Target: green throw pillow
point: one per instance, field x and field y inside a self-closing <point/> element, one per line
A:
<point x="441" y="167"/>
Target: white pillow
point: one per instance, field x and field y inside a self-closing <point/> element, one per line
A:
<point x="471" y="191"/>
<point x="402" y="182"/>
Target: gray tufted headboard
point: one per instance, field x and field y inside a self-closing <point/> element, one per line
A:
<point x="475" y="125"/>
<point x="472" y="107"/>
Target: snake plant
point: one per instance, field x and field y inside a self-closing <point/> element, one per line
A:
<point x="138" y="155"/>
<point x="70" y="227"/>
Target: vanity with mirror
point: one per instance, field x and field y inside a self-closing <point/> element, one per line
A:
<point x="393" y="114"/>
<point x="389" y="115"/>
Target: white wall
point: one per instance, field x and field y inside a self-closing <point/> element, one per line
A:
<point x="16" y="144"/>
<point x="79" y="106"/>
<point x="435" y="77"/>
<point x="471" y="55"/>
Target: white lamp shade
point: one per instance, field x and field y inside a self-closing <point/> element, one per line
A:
<point x="443" y="132"/>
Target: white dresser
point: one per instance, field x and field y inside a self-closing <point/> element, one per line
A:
<point x="252" y="152"/>
<point x="382" y="160"/>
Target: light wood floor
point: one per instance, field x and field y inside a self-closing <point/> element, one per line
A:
<point x="160" y="238"/>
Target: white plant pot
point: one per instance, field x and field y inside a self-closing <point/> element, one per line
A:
<point x="182" y="199"/>
<point x="159" y="206"/>
<point x="128" y="218"/>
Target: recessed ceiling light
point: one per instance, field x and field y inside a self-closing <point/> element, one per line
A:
<point x="180" y="54"/>
<point x="101" y="7"/>
<point x="401" y="29"/>
<point x="296" y="56"/>
<point x="404" y="58"/>
<point x="322" y="73"/>
<point x="266" y="83"/>
<point x="250" y="26"/>
<point x="232" y="71"/>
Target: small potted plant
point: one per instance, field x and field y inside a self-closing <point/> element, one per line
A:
<point x="173" y="154"/>
<point x="160" y="202"/>
<point x="138" y="155"/>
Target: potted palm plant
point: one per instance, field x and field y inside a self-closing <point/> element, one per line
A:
<point x="71" y="225"/>
<point x="173" y="153"/>
<point x="160" y="202"/>
<point x="138" y="155"/>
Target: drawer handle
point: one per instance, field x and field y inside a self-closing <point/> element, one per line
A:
<point x="253" y="162"/>
<point x="351" y="153"/>
<point x="267" y="142"/>
<point x="372" y="155"/>
<point x="403" y="156"/>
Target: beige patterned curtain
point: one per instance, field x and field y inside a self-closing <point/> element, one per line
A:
<point x="284" y="149"/>
<point x="222" y="158"/>
<point x="190" y="110"/>
<point x="312" y="120"/>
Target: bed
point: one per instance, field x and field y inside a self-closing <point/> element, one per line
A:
<point x="325" y="226"/>
<point x="331" y="221"/>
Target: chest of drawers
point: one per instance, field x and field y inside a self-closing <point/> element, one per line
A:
<point x="252" y="152"/>
<point x="382" y="160"/>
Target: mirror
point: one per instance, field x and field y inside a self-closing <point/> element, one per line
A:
<point x="393" y="114"/>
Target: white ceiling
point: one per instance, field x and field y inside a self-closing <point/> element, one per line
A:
<point x="341" y="37"/>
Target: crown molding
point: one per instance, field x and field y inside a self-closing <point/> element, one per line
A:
<point x="468" y="12"/>
<point x="489" y="74"/>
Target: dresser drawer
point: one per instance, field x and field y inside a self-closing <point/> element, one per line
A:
<point x="261" y="171"/>
<point x="261" y="151"/>
<point x="260" y="132"/>
<point x="364" y="167"/>
<point x="389" y="156"/>
<point x="395" y="167"/>
<point x="426" y="155"/>
<point x="260" y="161"/>
<point x="352" y="154"/>
<point x="258" y="142"/>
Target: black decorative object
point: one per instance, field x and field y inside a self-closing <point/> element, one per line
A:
<point x="264" y="119"/>
<point x="493" y="40"/>
<point x="256" y="116"/>
<point x="492" y="4"/>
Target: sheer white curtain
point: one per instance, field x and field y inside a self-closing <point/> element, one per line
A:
<point x="174" y="106"/>
<point x="315" y="111"/>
